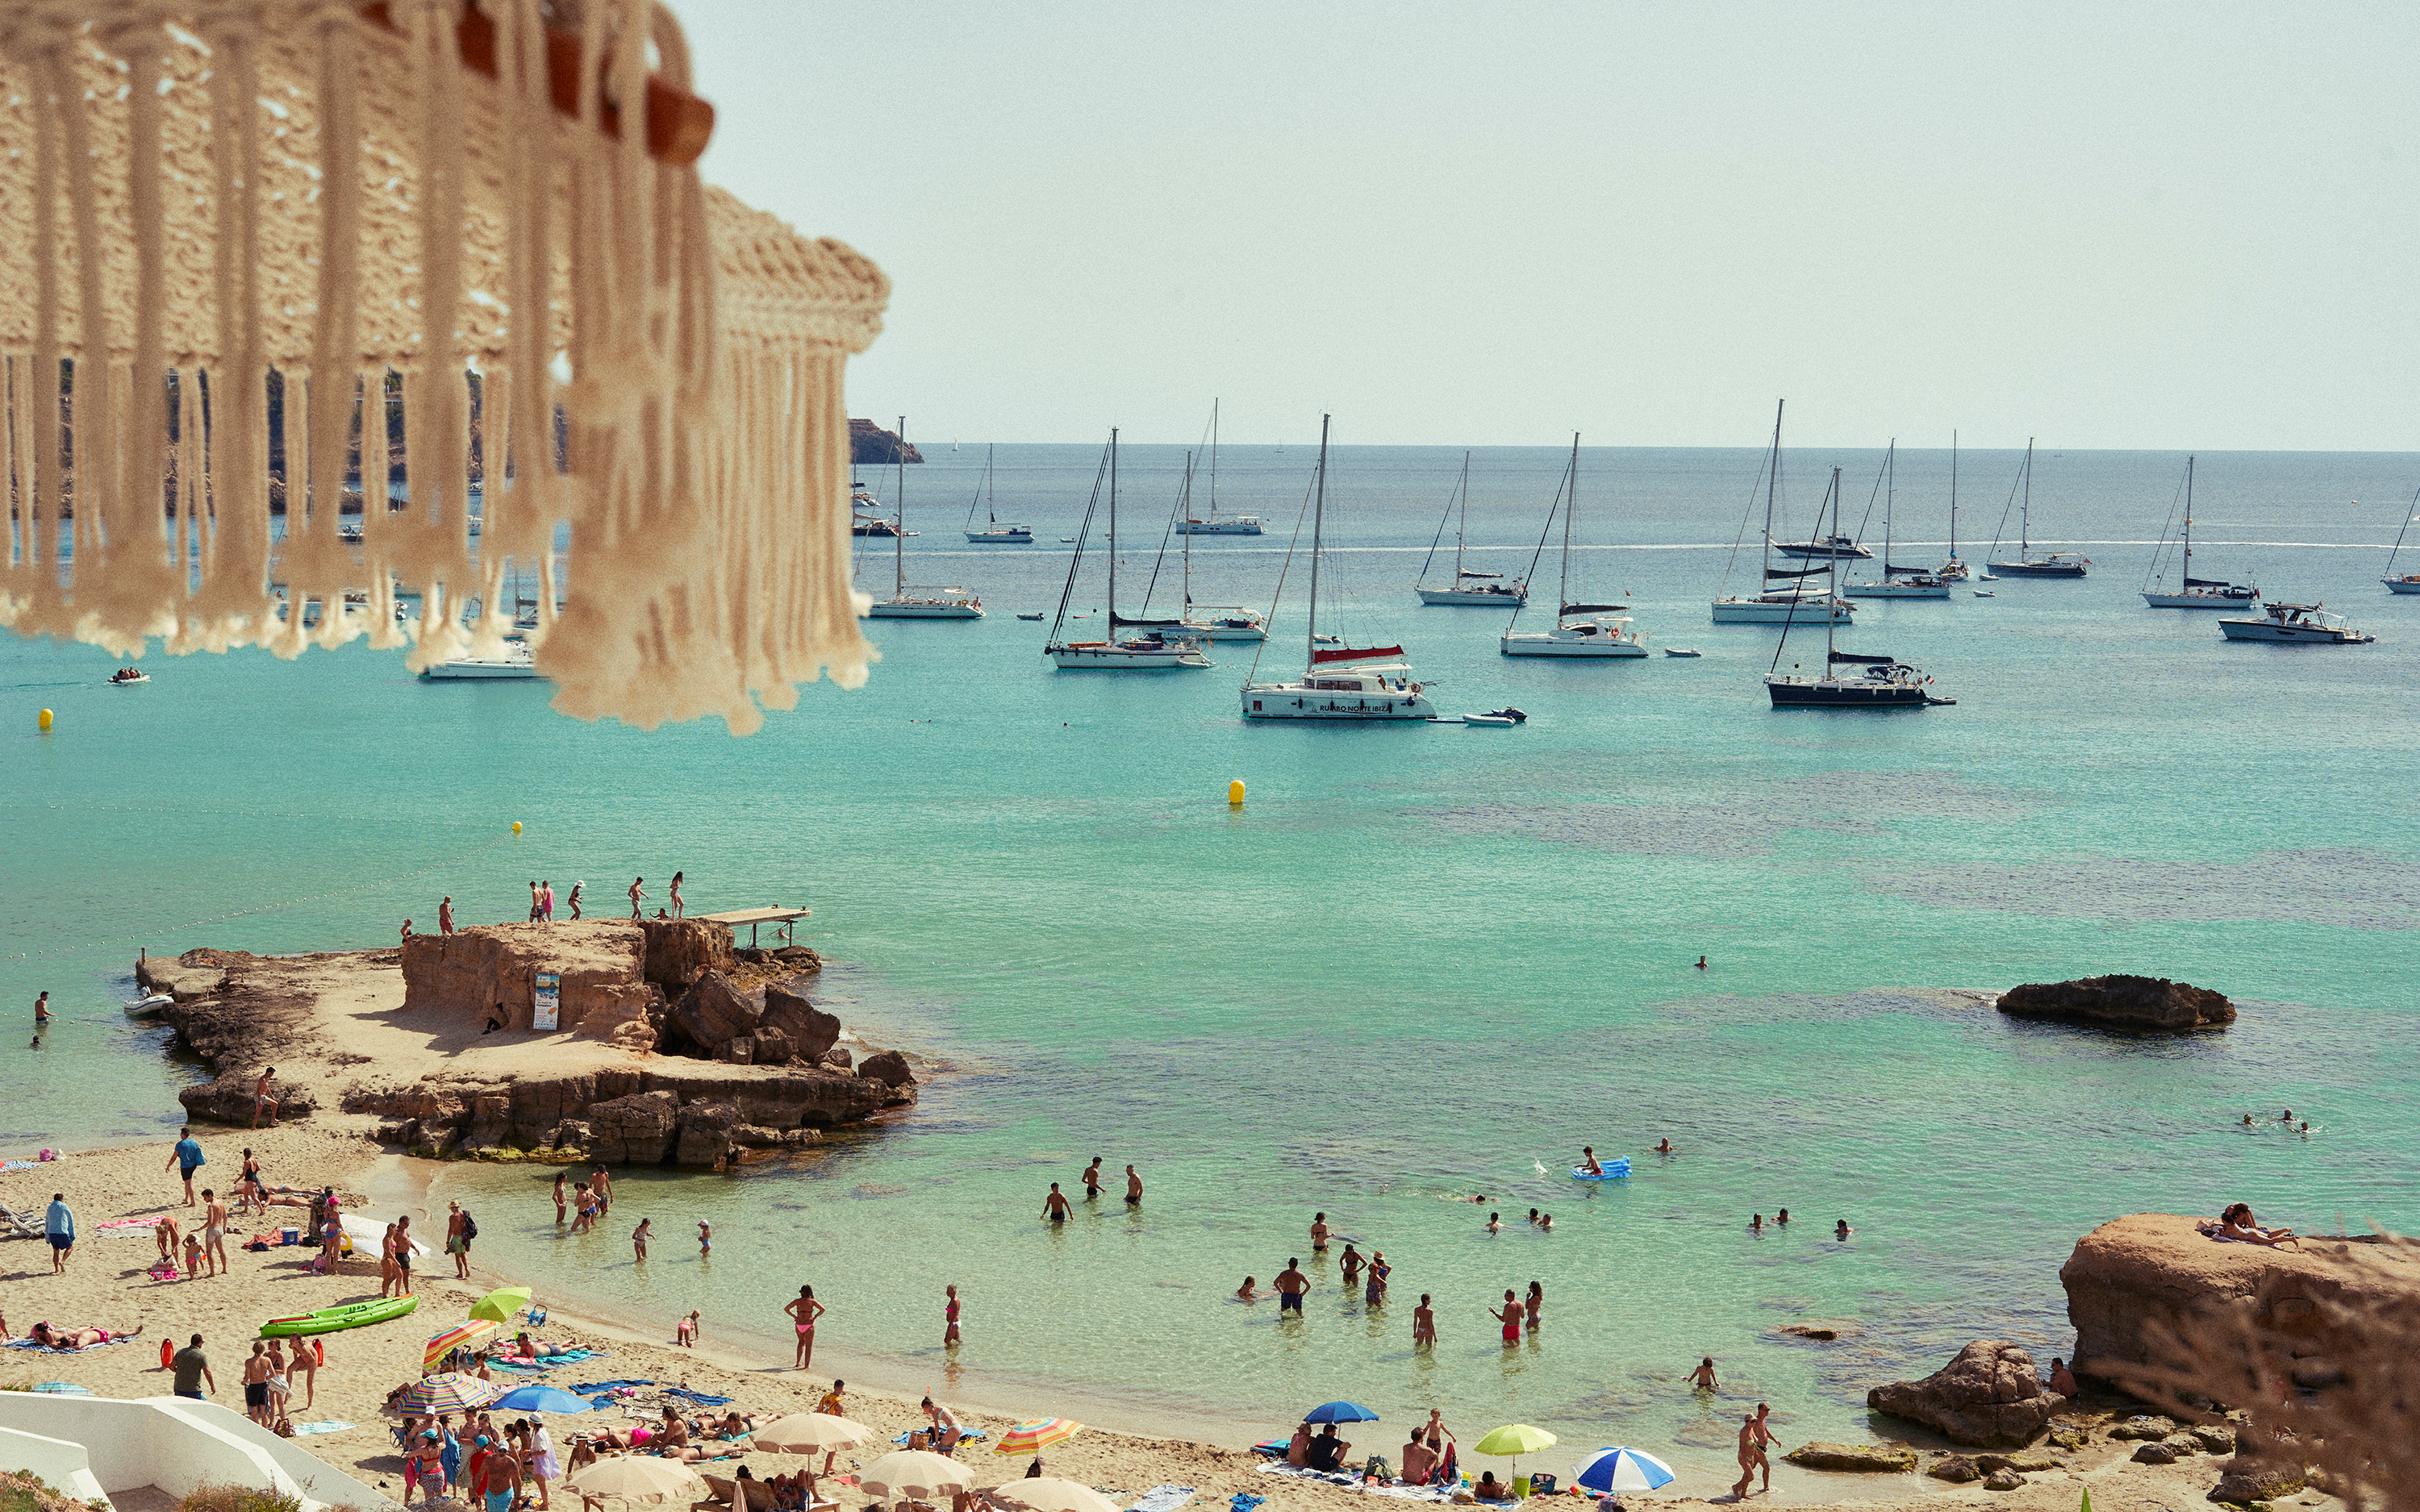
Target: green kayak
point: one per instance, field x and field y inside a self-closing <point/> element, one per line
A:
<point x="329" y="1320"/>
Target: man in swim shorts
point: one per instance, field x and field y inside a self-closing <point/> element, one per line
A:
<point x="1093" y="1180"/>
<point x="501" y="1478"/>
<point x="264" y="1096"/>
<point x="58" y="1227"/>
<point x="1751" y="1459"/>
<point x="1588" y="1161"/>
<point x="1291" y="1285"/>
<point x="214" y="1227"/>
<point x="186" y="1157"/>
<point x="1055" y="1205"/>
<point x="255" y="1382"/>
<point x="1134" y="1187"/>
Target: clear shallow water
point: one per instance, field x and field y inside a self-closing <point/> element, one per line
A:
<point x="1421" y="962"/>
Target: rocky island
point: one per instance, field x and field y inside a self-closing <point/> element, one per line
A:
<point x="669" y="1045"/>
<point x="2137" y="1004"/>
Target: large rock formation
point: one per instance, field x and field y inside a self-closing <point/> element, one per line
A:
<point x="680" y="951"/>
<point x="869" y="442"/>
<point x="812" y="1032"/>
<point x="1989" y="1395"/>
<point x="229" y="1100"/>
<point x="1854" y="1458"/>
<point x="2155" y="1265"/>
<point x="709" y="1016"/>
<point x="602" y="964"/>
<point x="2142" y="1004"/>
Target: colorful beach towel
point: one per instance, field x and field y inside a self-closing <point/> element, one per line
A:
<point x="700" y="1397"/>
<point x="29" y="1344"/>
<point x="969" y="1436"/>
<point x="331" y="1427"/>
<point x="1245" y="1502"/>
<point x="1331" y="1478"/>
<point x="592" y="1388"/>
<point x="129" y="1223"/>
<point x="1164" y="1499"/>
<point x="1274" y="1448"/>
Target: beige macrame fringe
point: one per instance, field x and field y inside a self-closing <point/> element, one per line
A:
<point x="279" y="192"/>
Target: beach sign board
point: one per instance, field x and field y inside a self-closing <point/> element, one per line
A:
<point x="548" y="1006"/>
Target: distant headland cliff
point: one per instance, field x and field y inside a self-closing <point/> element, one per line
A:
<point x="870" y="443"/>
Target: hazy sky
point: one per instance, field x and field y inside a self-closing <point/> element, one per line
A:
<point x="2105" y="225"/>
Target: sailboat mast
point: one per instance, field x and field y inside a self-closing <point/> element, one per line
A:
<point x="1890" y="491"/>
<point x="1953" y="495"/>
<point x="1772" y="482"/>
<point x="1184" y="510"/>
<point x="899" y="587"/>
<point x="1318" y="518"/>
<point x="2025" y="518"/>
<point x="1113" y="534"/>
<point x="1832" y="573"/>
<point x="1571" y="507"/>
<point x="1462" y="526"/>
<point x="2187" y="584"/>
<point x="1213" y="466"/>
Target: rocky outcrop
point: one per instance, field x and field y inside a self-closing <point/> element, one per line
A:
<point x="709" y="1016"/>
<point x="2248" y="1479"/>
<point x="2156" y="1266"/>
<point x="888" y="1067"/>
<point x="1956" y="1469"/>
<point x="194" y="973"/>
<point x="603" y="986"/>
<point x="1989" y="1395"/>
<point x="2139" y="1004"/>
<point x="229" y="1100"/>
<point x="680" y="951"/>
<point x="1858" y="1458"/>
<point x="239" y="1011"/>
<point x="812" y="1032"/>
<point x="870" y="443"/>
<point x="639" y="1130"/>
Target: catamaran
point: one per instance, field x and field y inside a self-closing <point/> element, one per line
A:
<point x="1210" y="524"/>
<point x="994" y="533"/>
<point x="1470" y="589"/>
<point x="1896" y="582"/>
<point x="2196" y="592"/>
<point x="1157" y="645"/>
<point x="911" y="601"/>
<point x="2029" y="562"/>
<point x="1790" y="604"/>
<point x="1595" y="630"/>
<point x="1849" y="680"/>
<point x="1339" y="682"/>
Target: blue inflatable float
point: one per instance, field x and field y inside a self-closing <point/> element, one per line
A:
<point x="1612" y="1168"/>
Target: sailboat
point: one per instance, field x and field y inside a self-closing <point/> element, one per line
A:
<point x="1208" y="621"/>
<point x="2408" y="582"/>
<point x="2029" y="562"/>
<point x="1951" y="568"/>
<point x="911" y="602"/>
<point x="1849" y="679"/>
<point x="2198" y="593"/>
<point x="1786" y="605"/>
<point x="1580" y="630"/>
<point x="1210" y="524"/>
<point x="1470" y="587"/>
<point x="1161" y="650"/>
<point x="994" y="534"/>
<point x="1339" y="682"/>
<point x="1898" y="582"/>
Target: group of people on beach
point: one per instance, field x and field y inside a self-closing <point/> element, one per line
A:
<point x="541" y="903"/>
<point x="499" y="1470"/>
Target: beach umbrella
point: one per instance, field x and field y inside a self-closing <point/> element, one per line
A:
<point x="1339" y="1412"/>
<point x="805" y="1432"/>
<point x="1513" y="1441"/>
<point x="538" y="1397"/>
<point x="502" y="1303"/>
<point x="1038" y="1435"/>
<point x="447" y="1393"/>
<point x="1052" y="1493"/>
<point x="1623" y="1470"/>
<point x="914" y="1473"/>
<point x="467" y="1332"/>
<point x="636" y="1479"/>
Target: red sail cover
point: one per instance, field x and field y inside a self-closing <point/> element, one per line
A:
<point x="1350" y="654"/>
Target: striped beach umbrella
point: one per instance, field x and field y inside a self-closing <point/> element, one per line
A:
<point x="1038" y="1435"/>
<point x="470" y="1331"/>
<point x="447" y="1393"/>
<point x="1622" y="1468"/>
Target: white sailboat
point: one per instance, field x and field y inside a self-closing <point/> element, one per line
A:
<point x="1849" y="679"/>
<point x="1592" y="630"/>
<point x="994" y="533"/>
<point x="1951" y="568"/>
<point x="1157" y="645"/>
<point x="1470" y="589"/>
<point x="2028" y="562"/>
<point x="1790" y="604"/>
<point x="2195" y="593"/>
<point x="2408" y="582"/>
<point x="1896" y="582"/>
<point x="1209" y="621"/>
<point x="1210" y="524"/>
<point x="916" y="601"/>
<point x="1340" y="682"/>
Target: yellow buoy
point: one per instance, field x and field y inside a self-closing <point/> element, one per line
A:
<point x="45" y="721"/>
<point x="517" y="827"/>
<point x="1235" y="794"/>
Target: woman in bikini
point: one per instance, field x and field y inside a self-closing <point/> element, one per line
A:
<point x="1378" y="1272"/>
<point x="76" y="1338"/>
<point x="561" y="1179"/>
<point x="803" y="1312"/>
<point x="1536" y="1304"/>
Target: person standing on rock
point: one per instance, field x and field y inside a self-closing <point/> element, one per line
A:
<point x="263" y="1092"/>
<point x="186" y="1157"/>
<point x="546" y="901"/>
<point x="637" y="894"/>
<point x="573" y="898"/>
<point x="803" y="1311"/>
<point x="677" y="904"/>
<point x="445" y="915"/>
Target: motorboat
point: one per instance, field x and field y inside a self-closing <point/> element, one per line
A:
<point x="1789" y="608"/>
<point x="2193" y="593"/>
<point x="1597" y="631"/>
<point x="1470" y="589"/>
<point x="2029" y="562"/>
<point x="2304" y="623"/>
<point x="1001" y="536"/>
<point x="1132" y="645"/>
<point x="1353" y="683"/>
<point x="128" y="677"/>
<point x="1029" y="616"/>
<point x="1489" y="721"/>
<point x="912" y="601"/>
<point x="515" y="664"/>
<point x="1829" y="547"/>
<point x="1847" y="679"/>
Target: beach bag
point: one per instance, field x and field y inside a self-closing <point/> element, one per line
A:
<point x="470" y="1228"/>
<point x="1378" y="1469"/>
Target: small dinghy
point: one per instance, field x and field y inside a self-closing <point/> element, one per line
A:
<point x="1683" y="651"/>
<point x="146" y="1007"/>
<point x="1492" y="720"/>
<point x="1985" y="592"/>
<point x="1029" y="616"/>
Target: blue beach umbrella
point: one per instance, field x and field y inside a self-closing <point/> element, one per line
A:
<point x="1339" y="1412"/>
<point x="539" y="1398"/>
<point x="1623" y="1470"/>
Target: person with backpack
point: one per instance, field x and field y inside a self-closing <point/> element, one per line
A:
<point x="459" y="1230"/>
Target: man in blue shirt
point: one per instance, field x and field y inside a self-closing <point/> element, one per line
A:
<point x="186" y="1158"/>
<point x="58" y="1226"/>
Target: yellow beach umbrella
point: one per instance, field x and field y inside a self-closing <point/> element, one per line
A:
<point x="500" y="1305"/>
<point x="467" y="1332"/>
<point x="1513" y="1441"/>
<point x="1038" y="1435"/>
<point x="804" y="1432"/>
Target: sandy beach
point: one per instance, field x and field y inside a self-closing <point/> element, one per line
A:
<point x="107" y="1284"/>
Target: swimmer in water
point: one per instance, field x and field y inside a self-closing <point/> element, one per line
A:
<point x="1841" y="1229"/>
<point x="1495" y="1223"/>
<point x="1055" y="1207"/>
<point x="1546" y="1223"/>
<point x="1701" y="963"/>
<point x="1664" y="1147"/>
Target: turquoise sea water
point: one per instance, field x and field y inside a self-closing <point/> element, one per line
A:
<point x="1422" y="961"/>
